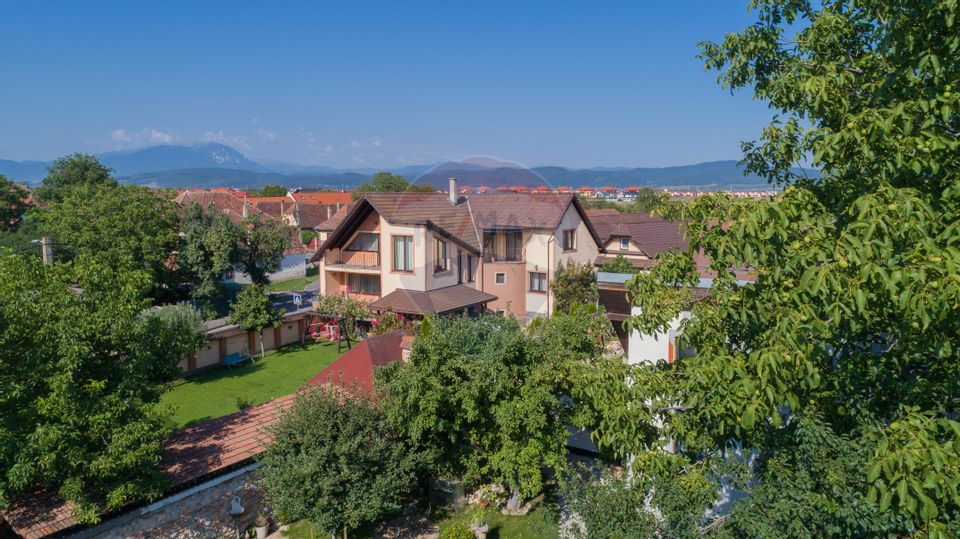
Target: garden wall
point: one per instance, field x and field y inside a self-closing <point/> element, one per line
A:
<point x="203" y="511"/>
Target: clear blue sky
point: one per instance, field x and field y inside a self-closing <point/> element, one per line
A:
<point x="357" y="83"/>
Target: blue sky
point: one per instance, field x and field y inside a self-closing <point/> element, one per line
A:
<point x="365" y="84"/>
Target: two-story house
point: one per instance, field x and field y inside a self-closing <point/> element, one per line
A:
<point x="422" y="253"/>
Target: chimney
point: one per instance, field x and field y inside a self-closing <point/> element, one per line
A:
<point x="244" y="208"/>
<point x="329" y="212"/>
<point x="453" y="191"/>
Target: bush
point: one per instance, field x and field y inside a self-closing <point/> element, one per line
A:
<point x="455" y="530"/>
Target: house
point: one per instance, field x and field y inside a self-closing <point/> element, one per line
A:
<point x="320" y="197"/>
<point x="586" y="191"/>
<point x="607" y="193"/>
<point x="422" y="253"/>
<point x="630" y="193"/>
<point x="639" y="236"/>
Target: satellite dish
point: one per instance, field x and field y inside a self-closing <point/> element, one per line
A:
<point x="235" y="508"/>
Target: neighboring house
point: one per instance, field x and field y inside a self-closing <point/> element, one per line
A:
<point x="419" y="253"/>
<point x="335" y="198"/>
<point x="586" y="191"/>
<point x="639" y="237"/>
<point x="607" y="193"/>
<point x="630" y="193"/>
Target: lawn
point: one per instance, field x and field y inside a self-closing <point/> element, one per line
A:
<point x="298" y="283"/>
<point x="540" y="523"/>
<point x="221" y="391"/>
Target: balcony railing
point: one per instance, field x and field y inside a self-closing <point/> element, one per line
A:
<point x="504" y="255"/>
<point x="353" y="259"/>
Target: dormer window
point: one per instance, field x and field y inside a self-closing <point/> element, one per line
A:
<point x="624" y="243"/>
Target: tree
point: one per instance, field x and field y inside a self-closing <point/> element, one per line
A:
<point x="482" y="401"/>
<point x="261" y="247"/>
<point x="618" y="264"/>
<point x="70" y="171"/>
<point x="272" y="190"/>
<point x="337" y="462"/>
<point x="118" y="223"/>
<point x="606" y="507"/>
<point x="252" y="311"/>
<point x="13" y="204"/>
<point x="82" y="368"/>
<point x="853" y="317"/>
<point x="383" y="182"/>
<point x="208" y="249"/>
<point x="574" y="284"/>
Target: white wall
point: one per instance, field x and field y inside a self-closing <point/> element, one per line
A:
<point x="652" y="348"/>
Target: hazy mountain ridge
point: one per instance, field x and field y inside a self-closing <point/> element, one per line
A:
<point x="218" y="165"/>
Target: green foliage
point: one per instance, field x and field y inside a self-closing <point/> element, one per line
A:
<point x="13" y="204"/>
<point x="455" y="530"/>
<point x="252" y="310"/>
<point x="574" y="284"/>
<point x="337" y="462"/>
<point x="387" y="322"/>
<point x="208" y="249"/>
<point x="351" y="309"/>
<point x="385" y="182"/>
<point x="607" y="506"/>
<point x="853" y="317"/>
<point x="82" y="366"/>
<point x="72" y="171"/>
<point x="272" y="190"/>
<point x="120" y="224"/>
<point x="262" y="243"/>
<point x="485" y="402"/>
<point x="619" y="264"/>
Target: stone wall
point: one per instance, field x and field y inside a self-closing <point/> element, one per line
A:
<point x="202" y="514"/>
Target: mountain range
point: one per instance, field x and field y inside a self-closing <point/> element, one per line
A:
<point x="218" y="165"/>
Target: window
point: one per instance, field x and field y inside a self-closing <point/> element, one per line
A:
<point x="364" y="284"/>
<point x="570" y="239"/>
<point x="538" y="281"/>
<point x="403" y="253"/>
<point x="465" y="267"/>
<point x="440" y="262"/>
<point x="469" y="268"/>
<point x="500" y="278"/>
<point x="503" y="246"/>
<point x="624" y="243"/>
<point x="365" y="241"/>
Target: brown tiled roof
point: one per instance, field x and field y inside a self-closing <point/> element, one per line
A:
<point x="439" y="301"/>
<point x="519" y="210"/>
<point x="334" y="221"/>
<point x="189" y="454"/>
<point x="312" y="215"/>
<point x="652" y="234"/>
<point x="639" y="263"/>
<point x="225" y="202"/>
<point x="355" y="368"/>
<point x="426" y="209"/>
<point x="275" y="208"/>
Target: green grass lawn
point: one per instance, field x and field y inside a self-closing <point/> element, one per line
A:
<point x="293" y="284"/>
<point x="539" y="523"/>
<point x="221" y="391"/>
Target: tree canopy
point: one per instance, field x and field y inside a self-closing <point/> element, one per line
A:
<point x="618" y="264"/>
<point x="208" y="249"/>
<point x="272" y="190"/>
<point x="574" y="284"/>
<point x="71" y="171"/>
<point x="484" y="401"/>
<point x="261" y="247"/>
<point x="123" y="224"/>
<point x="386" y="182"/>
<point x="336" y="462"/>
<point x="253" y="311"/>
<point x="83" y="362"/>
<point x="838" y="366"/>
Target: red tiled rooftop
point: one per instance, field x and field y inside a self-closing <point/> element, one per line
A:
<point x="355" y="368"/>
<point x="322" y="197"/>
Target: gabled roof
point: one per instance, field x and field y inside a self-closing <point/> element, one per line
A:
<point x="461" y="223"/>
<point x="355" y="368"/>
<point x="440" y="301"/>
<point x="334" y="221"/>
<point x="650" y="233"/>
<point x="313" y="215"/>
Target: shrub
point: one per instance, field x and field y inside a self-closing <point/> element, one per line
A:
<point x="455" y="530"/>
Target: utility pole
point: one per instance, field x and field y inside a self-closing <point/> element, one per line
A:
<point x="46" y="249"/>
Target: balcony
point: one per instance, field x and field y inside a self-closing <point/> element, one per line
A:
<point x="354" y="261"/>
